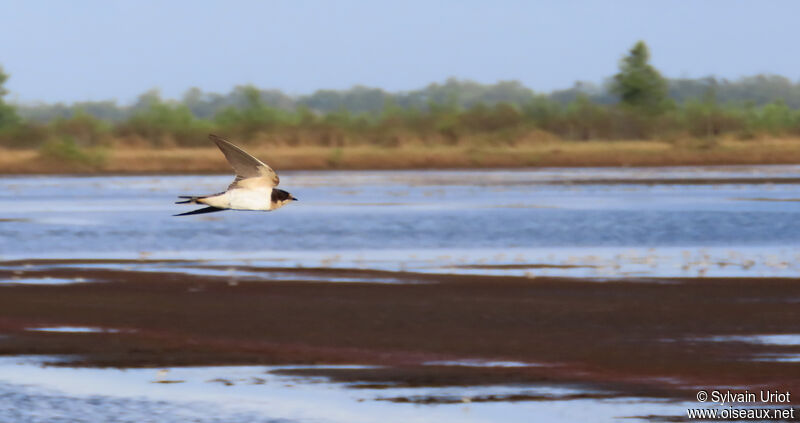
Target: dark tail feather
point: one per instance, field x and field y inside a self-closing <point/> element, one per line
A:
<point x="200" y="211"/>
<point x="192" y="199"/>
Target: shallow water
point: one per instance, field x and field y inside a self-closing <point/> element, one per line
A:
<point x="73" y="329"/>
<point x="30" y="393"/>
<point x="789" y="339"/>
<point x="773" y="340"/>
<point x="39" y="281"/>
<point x="598" y="223"/>
<point x="585" y="222"/>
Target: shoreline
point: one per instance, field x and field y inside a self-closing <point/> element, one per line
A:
<point x="149" y="161"/>
<point x="632" y="337"/>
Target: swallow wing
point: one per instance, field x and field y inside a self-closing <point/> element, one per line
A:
<point x="250" y="172"/>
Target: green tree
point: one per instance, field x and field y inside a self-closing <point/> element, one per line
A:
<point x="252" y="116"/>
<point x="638" y="84"/>
<point x="8" y="115"/>
<point x="158" y="121"/>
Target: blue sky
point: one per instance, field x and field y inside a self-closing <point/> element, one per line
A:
<point x="97" y="50"/>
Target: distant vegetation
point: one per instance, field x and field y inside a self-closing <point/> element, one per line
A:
<point x="635" y="104"/>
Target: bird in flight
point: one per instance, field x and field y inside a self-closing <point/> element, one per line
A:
<point x="253" y="188"/>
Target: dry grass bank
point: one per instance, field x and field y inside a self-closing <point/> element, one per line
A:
<point x="551" y="153"/>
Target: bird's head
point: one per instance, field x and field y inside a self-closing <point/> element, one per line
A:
<point x="280" y="198"/>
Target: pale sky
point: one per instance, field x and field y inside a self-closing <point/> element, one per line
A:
<point x="98" y="50"/>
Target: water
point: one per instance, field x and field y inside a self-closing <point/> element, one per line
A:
<point x="30" y="393"/>
<point x="780" y="339"/>
<point x="591" y="222"/>
<point x="73" y="329"/>
<point x="599" y="223"/>
<point x="39" y="281"/>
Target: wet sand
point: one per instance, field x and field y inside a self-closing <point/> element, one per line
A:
<point x="628" y="337"/>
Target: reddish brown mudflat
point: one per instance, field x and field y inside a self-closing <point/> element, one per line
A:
<point x="628" y="336"/>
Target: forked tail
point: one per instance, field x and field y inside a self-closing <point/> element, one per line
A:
<point x="195" y="199"/>
<point x="192" y="199"/>
<point x="200" y="211"/>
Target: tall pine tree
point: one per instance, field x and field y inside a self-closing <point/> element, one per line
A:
<point x="638" y="84"/>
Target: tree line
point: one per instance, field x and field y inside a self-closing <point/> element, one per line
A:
<point x="636" y="103"/>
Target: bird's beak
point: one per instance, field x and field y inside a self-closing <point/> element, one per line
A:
<point x="294" y="199"/>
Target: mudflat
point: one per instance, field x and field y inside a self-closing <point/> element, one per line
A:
<point x="660" y="337"/>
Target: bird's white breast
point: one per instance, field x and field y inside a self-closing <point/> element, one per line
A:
<point x="250" y="199"/>
<point x="241" y="199"/>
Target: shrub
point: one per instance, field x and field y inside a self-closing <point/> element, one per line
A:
<point x="67" y="152"/>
